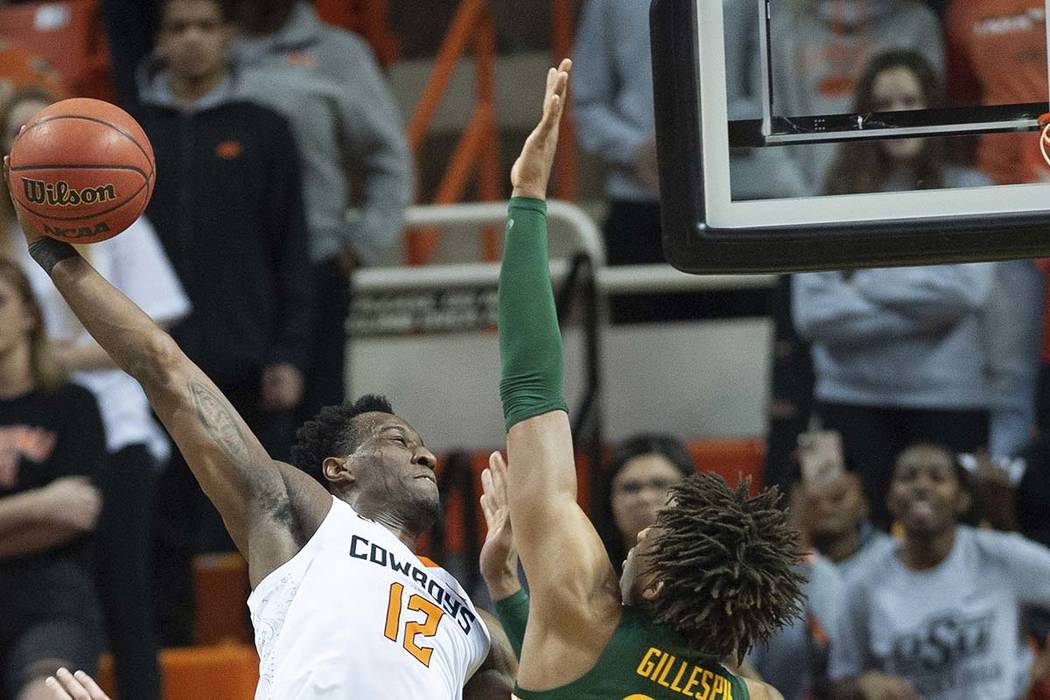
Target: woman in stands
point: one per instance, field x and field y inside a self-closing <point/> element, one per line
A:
<point x="52" y="449"/>
<point x="641" y="471"/>
<point x="940" y="353"/>
<point x="136" y="264"/>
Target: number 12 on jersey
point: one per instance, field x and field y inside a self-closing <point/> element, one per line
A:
<point x="426" y="628"/>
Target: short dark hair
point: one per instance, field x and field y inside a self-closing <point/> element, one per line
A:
<point x="333" y="433"/>
<point x="726" y="561"/>
<point x="961" y="474"/>
<point x="666" y="446"/>
<point x="227" y="8"/>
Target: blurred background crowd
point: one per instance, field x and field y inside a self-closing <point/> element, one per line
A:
<point x="904" y="412"/>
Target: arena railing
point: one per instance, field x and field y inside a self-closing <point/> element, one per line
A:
<point x="582" y="283"/>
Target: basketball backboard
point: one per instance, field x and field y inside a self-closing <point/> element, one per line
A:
<point x="759" y="123"/>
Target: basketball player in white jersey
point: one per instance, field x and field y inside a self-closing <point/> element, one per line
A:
<point x="342" y="606"/>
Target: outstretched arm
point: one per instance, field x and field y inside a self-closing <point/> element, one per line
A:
<point x="572" y="583"/>
<point x="269" y="508"/>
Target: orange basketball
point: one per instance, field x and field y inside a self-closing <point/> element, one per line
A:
<point x="82" y="171"/>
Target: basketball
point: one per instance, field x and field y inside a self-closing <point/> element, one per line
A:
<point x="82" y="171"/>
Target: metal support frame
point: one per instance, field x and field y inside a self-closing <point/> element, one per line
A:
<point x="582" y="282"/>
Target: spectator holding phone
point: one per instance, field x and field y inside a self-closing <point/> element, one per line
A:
<point x="832" y="510"/>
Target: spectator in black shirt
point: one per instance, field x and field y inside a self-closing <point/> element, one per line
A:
<point x="228" y="211"/>
<point x="52" y="447"/>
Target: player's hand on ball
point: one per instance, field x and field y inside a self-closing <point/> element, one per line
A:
<point x="499" y="558"/>
<point x="27" y="230"/>
<point x="532" y="169"/>
<point x="67" y="686"/>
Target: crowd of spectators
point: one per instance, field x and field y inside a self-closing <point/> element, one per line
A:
<point x="914" y="367"/>
<point x="286" y="168"/>
<point x="270" y="128"/>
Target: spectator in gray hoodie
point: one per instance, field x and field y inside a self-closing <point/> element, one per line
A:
<point x="818" y="50"/>
<point x="327" y="83"/>
<point x="613" y="98"/>
<point x="231" y="191"/>
<point x="915" y="354"/>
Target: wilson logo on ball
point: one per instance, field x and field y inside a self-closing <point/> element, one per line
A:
<point x="60" y="194"/>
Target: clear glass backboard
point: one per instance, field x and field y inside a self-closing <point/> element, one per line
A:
<point x="807" y="134"/>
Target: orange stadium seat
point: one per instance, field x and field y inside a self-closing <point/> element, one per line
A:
<point x="70" y="36"/>
<point x="224" y="672"/>
<point x="20" y="68"/>
<point x="221" y="587"/>
<point x="732" y="458"/>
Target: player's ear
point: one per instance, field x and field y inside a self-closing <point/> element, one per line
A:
<point x="653" y="590"/>
<point x="337" y="469"/>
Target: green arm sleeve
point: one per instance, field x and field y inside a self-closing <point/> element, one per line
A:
<point x="513" y="614"/>
<point x="529" y="339"/>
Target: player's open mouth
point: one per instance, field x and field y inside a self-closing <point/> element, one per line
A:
<point x="428" y="477"/>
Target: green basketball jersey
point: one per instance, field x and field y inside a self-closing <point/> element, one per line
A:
<point x="647" y="661"/>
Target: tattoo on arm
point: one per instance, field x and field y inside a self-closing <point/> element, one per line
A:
<point x="220" y="424"/>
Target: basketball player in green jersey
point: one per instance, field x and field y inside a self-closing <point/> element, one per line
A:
<point x="712" y="577"/>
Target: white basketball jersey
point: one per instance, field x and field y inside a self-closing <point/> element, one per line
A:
<point x="355" y="614"/>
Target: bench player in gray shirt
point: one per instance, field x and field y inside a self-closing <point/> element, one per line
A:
<point x="937" y="616"/>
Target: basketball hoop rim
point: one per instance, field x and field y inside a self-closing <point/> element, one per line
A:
<point x="1044" y="136"/>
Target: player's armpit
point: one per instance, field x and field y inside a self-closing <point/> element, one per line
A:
<point x="270" y="509"/>
<point x="488" y="685"/>
<point x="495" y="677"/>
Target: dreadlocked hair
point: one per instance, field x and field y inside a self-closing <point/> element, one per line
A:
<point x="725" y="560"/>
<point x="332" y="433"/>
